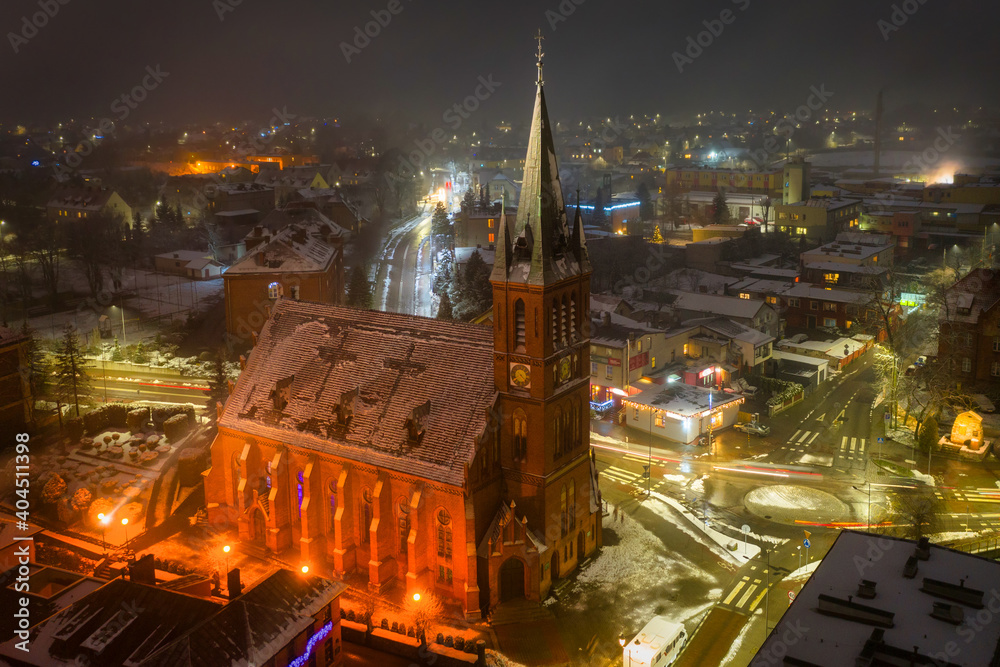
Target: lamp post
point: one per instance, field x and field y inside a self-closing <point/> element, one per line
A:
<point x="103" y="520"/>
<point x="125" y="526"/>
<point x="225" y="550"/>
<point x="767" y="591"/>
<point x="799" y="549"/>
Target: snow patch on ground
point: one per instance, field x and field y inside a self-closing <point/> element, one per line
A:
<point x="676" y="479"/>
<point x="924" y="477"/>
<point x="719" y="542"/>
<point x="803" y="572"/>
<point x="625" y="574"/>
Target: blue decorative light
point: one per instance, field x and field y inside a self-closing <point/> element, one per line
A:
<point x="36" y="163"/>
<point x="602" y="406"/>
<point x="611" y="208"/>
<point x="319" y="636"/>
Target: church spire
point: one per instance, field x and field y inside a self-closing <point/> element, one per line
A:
<point x="504" y="246"/>
<point x="541" y="229"/>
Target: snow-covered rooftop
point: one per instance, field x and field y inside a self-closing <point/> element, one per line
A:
<point x="683" y="400"/>
<point x="350" y="382"/>
<point x="831" y="624"/>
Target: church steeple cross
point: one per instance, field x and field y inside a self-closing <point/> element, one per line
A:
<point x="541" y="54"/>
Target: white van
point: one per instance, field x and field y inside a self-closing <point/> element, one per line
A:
<point x="657" y="645"/>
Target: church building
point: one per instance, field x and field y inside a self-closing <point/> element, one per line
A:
<point x="436" y="456"/>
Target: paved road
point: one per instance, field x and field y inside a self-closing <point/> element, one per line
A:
<point x="134" y="386"/>
<point x="403" y="273"/>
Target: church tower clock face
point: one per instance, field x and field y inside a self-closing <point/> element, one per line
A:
<point x="520" y="375"/>
<point x="565" y="369"/>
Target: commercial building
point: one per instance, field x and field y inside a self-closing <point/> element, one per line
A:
<point x="854" y="260"/>
<point x="681" y="412"/>
<point x="879" y="600"/>
<point x="818" y="219"/>
<point x="711" y="180"/>
<point x="85" y="203"/>
<point x="305" y="260"/>
<point x="285" y="618"/>
<point x="16" y="401"/>
<point x="969" y="327"/>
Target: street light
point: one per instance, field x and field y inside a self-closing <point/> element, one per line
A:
<point x="125" y="525"/>
<point x="103" y="520"/>
<point x="225" y="550"/>
<point x="305" y="569"/>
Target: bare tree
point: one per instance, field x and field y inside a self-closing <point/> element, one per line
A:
<point x="916" y="512"/>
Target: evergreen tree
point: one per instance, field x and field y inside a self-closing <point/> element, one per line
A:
<point x="720" y="215"/>
<point x="442" y="274"/>
<point x="218" y="383"/>
<point x="469" y="200"/>
<point x="440" y="226"/>
<point x="474" y="291"/>
<point x="36" y="367"/>
<point x="444" y="307"/>
<point x="657" y="234"/>
<point x="484" y="197"/>
<point x="359" y="289"/>
<point x="72" y="380"/>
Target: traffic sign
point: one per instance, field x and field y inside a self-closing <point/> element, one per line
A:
<point x="791" y="596"/>
<point x="881" y="440"/>
<point x="886" y="416"/>
<point x="806" y="543"/>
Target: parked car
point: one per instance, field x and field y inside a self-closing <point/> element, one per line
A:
<point x="755" y="428"/>
<point x="911" y="369"/>
<point x="921" y="360"/>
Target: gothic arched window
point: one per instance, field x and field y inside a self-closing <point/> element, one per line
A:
<point x="520" y="432"/>
<point x="403" y="523"/>
<point x="366" y="514"/>
<point x="444" y="534"/>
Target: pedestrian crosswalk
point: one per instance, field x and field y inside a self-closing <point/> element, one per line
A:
<point x="852" y="449"/>
<point x="800" y="441"/>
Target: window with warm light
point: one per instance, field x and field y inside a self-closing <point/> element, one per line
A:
<point x="831" y="277"/>
<point x="274" y="291"/>
<point x="744" y="295"/>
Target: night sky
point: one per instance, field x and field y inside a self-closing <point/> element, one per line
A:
<point x="606" y="58"/>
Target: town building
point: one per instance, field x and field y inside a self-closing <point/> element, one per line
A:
<point x="969" y="327"/>
<point x="85" y="203"/>
<point x="285" y="618"/>
<point x="796" y="186"/>
<point x="818" y="219"/>
<point x="240" y="197"/>
<point x="809" y="306"/>
<point x="284" y="160"/>
<point x="753" y="313"/>
<point x="189" y="263"/>
<point x="284" y="183"/>
<point x="304" y="260"/>
<point x="16" y="401"/>
<point x="424" y="454"/>
<point x="880" y="600"/>
<point x="477" y="226"/>
<point x="712" y="180"/>
<point x="681" y="412"/>
<point x="854" y="260"/>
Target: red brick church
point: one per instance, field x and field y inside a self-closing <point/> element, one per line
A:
<point x="437" y="456"/>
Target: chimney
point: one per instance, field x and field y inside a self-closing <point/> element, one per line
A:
<point x="260" y="259"/>
<point x="416" y="422"/>
<point x="606" y="318"/>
